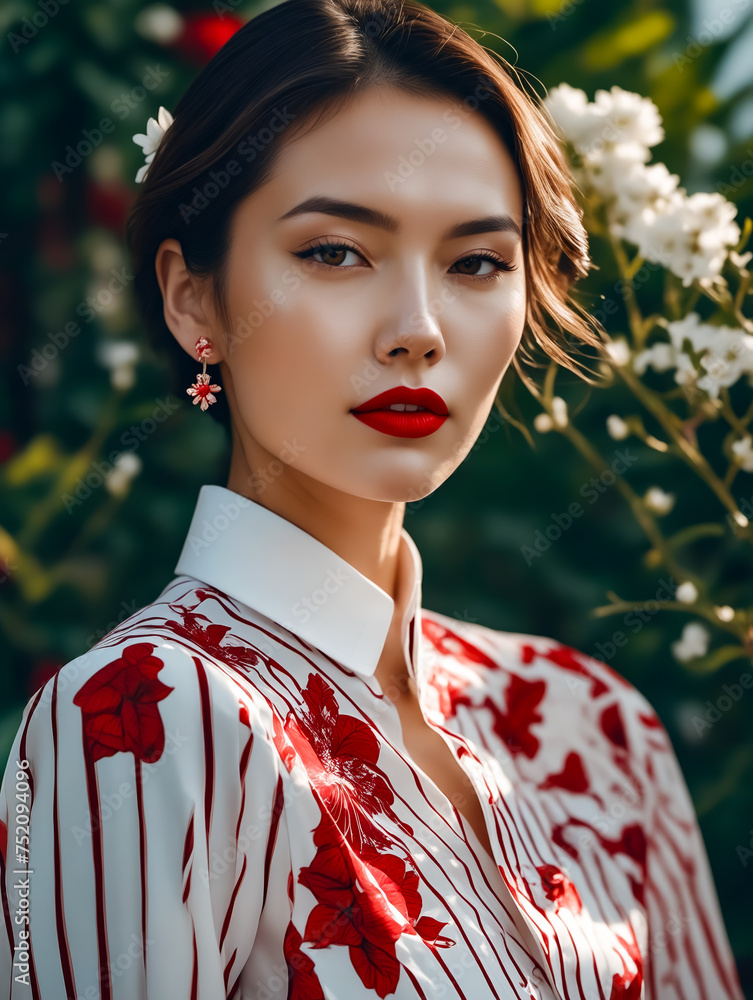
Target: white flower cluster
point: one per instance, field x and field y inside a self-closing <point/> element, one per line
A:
<point x="543" y="422"/>
<point x="119" y="357"/>
<point x="726" y="354"/>
<point x="693" y="642"/>
<point x="127" y="466"/>
<point x="690" y="235"/>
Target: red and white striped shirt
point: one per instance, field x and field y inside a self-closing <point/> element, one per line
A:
<point x="216" y="801"/>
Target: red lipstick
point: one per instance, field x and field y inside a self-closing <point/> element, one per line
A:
<point x="430" y="416"/>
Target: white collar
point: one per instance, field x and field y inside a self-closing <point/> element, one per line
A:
<point x="256" y="556"/>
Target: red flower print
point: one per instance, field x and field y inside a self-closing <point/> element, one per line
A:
<point x="284" y="749"/>
<point x="340" y="755"/>
<point x="572" y="776"/>
<point x="513" y="726"/>
<point x="407" y="882"/>
<point x="628" y="985"/>
<point x="559" y="888"/>
<point x="451" y="644"/>
<point x="613" y="727"/>
<point x="567" y="657"/>
<point x="211" y="635"/>
<point x="446" y="679"/>
<point x="633" y="843"/>
<point x="119" y="706"/>
<point x="303" y="982"/>
<point x="352" y="911"/>
<point x="365" y="903"/>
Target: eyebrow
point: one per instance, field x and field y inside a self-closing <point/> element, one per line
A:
<point x="374" y="217"/>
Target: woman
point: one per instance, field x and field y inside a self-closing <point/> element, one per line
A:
<point x="283" y="777"/>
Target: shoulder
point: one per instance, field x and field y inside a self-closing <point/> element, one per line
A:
<point x="146" y="688"/>
<point x="554" y="706"/>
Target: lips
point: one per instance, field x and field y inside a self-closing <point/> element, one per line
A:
<point x="426" y="398"/>
<point x="376" y="412"/>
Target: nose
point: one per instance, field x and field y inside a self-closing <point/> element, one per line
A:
<point x="414" y="326"/>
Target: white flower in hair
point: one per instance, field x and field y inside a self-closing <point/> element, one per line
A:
<point x="155" y="130"/>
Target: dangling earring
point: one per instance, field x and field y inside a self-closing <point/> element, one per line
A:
<point x="203" y="387"/>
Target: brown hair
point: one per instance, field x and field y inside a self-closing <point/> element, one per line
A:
<point x="301" y="61"/>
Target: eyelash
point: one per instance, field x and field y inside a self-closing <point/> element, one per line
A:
<point x="501" y="265"/>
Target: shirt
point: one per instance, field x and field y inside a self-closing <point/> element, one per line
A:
<point x="215" y="801"/>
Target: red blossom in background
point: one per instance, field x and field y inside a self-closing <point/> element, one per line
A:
<point x="8" y="446"/>
<point x="107" y="203"/>
<point x="119" y="706"/>
<point x="204" y="35"/>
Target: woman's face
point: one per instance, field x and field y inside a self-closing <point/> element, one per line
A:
<point x="316" y="333"/>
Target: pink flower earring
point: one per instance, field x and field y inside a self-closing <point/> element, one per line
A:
<point x="203" y="387"/>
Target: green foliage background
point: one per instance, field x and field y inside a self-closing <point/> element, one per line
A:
<point x="68" y="577"/>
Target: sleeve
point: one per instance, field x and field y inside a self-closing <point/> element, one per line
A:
<point x="132" y="774"/>
<point x="689" y="954"/>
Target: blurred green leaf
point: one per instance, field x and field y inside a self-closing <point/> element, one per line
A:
<point x="625" y="41"/>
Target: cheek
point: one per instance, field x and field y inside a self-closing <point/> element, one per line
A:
<point x="292" y="373"/>
<point x="502" y="334"/>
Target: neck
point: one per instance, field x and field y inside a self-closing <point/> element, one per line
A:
<point x="365" y="533"/>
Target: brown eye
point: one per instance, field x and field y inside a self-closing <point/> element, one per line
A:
<point x="500" y="265"/>
<point x="468" y="261"/>
<point x="330" y="252"/>
<point x="330" y="255"/>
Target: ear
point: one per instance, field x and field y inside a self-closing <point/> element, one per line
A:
<point x="187" y="311"/>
